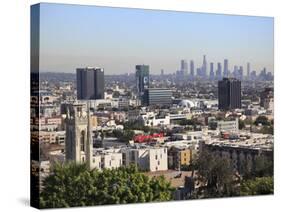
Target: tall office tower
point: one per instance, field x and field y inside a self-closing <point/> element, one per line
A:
<point x="264" y="70"/>
<point x="212" y="73"/>
<point x="248" y="71"/>
<point x="240" y="73"/>
<point x="204" y="67"/>
<point x="235" y="71"/>
<point x="142" y="78"/>
<point x="179" y="75"/>
<point x="162" y="72"/>
<point x="191" y="68"/>
<point x="157" y="96"/>
<point x="218" y="72"/>
<point x="225" y="68"/>
<point x="269" y="76"/>
<point x="229" y="94"/>
<point x="79" y="143"/>
<point x="199" y="72"/>
<point x="262" y="75"/>
<point x="184" y="66"/>
<point x="253" y="75"/>
<point x="90" y="83"/>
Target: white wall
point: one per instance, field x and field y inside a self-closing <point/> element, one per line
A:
<point x="112" y="160"/>
<point x="150" y="159"/>
<point x="158" y="159"/>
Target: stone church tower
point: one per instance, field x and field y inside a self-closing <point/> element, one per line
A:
<point x="79" y="144"/>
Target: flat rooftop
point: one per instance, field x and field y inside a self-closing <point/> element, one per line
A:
<point x="256" y="141"/>
<point x="176" y="178"/>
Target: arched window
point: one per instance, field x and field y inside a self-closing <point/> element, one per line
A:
<point x="82" y="141"/>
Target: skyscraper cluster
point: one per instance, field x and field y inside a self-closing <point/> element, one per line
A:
<point x="219" y="70"/>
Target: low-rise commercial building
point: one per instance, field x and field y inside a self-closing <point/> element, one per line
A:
<point x="52" y="137"/>
<point x="224" y="125"/>
<point x="157" y="97"/>
<point x="152" y="119"/>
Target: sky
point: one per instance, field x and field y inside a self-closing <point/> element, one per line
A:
<point x="117" y="39"/>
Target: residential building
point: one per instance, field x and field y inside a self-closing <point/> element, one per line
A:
<point x="153" y="119"/>
<point x="228" y="125"/>
<point x="106" y="159"/>
<point x="243" y="151"/>
<point x="266" y="99"/>
<point x="178" y="157"/>
<point x="147" y="158"/>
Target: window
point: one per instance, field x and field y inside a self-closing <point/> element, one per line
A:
<point x="82" y="141"/>
<point x="133" y="158"/>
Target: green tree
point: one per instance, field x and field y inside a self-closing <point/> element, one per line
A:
<point x="263" y="167"/>
<point x="72" y="185"/>
<point x="241" y="124"/>
<point x="262" y="120"/>
<point x="267" y="130"/>
<point x="248" y="121"/>
<point x="127" y="136"/>
<point x="117" y="133"/>
<point x="192" y="122"/>
<point x="137" y="125"/>
<point x="216" y="175"/>
<point x="115" y="94"/>
<point x="257" y="186"/>
<point x="123" y="136"/>
<point x="102" y="135"/>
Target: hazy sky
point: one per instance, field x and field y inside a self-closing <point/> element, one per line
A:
<point x="118" y="38"/>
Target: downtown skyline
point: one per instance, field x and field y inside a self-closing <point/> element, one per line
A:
<point x="117" y="39"/>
